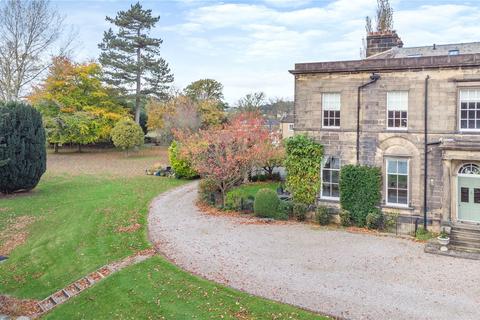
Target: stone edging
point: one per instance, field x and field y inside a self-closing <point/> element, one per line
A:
<point x="75" y="288"/>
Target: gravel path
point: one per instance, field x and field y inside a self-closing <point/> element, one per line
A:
<point x="334" y="272"/>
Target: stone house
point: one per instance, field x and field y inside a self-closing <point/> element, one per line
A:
<point x="286" y="126"/>
<point x="414" y="112"/>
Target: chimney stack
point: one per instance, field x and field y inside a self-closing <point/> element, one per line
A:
<point x="378" y="42"/>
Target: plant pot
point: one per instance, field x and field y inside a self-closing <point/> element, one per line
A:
<point x="443" y="241"/>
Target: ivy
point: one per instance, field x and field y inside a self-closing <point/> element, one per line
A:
<point x="303" y="160"/>
<point x="360" y="191"/>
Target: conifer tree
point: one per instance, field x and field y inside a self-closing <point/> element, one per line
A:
<point x="131" y="58"/>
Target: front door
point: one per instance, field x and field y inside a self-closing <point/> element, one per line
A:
<point x="468" y="198"/>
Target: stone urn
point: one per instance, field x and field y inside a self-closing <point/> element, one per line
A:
<point x="443" y="241"/>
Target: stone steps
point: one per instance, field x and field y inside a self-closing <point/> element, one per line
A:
<point x="465" y="238"/>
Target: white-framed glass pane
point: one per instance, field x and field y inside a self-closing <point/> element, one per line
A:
<point x="331" y="101"/>
<point x="397" y="181"/>
<point x="469" y="113"/>
<point x="331" y="178"/>
<point x="397" y="100"/>
<point x="397" y="109"/>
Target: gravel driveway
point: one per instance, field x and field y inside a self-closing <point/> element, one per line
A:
<point x="353" y="276"/>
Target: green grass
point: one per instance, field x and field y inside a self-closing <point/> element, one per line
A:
<point x="232" y="199"/>
<point x="76" y="232"/>
<point x="155" y="289"/>
<point x="76" y="229"/>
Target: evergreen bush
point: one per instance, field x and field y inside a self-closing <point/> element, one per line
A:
<point x="322" y="215"/>
<point x="300" y="211"/>
<point x="127" y="134"/>
<point x="375" y="219"/>
<point x="22" y="147"/>
<point x="302" y="162"/>
<point x="181" y="167"/>
<point x="360" y="191"/>
<point x="345" y="218"/>
<point x="266" y="203"/>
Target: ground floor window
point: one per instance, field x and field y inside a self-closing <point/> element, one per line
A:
<point x="397" y="181"/>
<point x="331" y="178"/>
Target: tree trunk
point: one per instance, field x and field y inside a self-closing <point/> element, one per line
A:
<point x="55" y="147"/>
<point x="79" y="147"/>
<point x="137" y="91"/>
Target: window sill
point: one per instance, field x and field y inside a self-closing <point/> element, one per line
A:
<point x="397" y="129"/>
<point x="398" y="207"/>
<point x="331" y="128"/>
<point x="327" y="199"/>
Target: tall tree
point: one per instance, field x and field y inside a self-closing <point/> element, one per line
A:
<point x="204" y="89"/>
<point x="131" y="58"/>
<point x="76" y="106"/>
<point x="383" y="18"/>
<point x="251" y="102"/>
<point x="28" y="29"/>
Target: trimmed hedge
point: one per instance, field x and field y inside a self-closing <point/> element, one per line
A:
<point x="266" y="203"/>
<point x="303" y="160"/>
<point x="360" y="191"/>
<point x="181" y="167"/>
<point x="22" y="147"/>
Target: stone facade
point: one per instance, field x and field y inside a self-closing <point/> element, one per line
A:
<point x="448" y="147"/>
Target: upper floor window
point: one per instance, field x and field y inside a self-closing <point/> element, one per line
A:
<point x="331" y="110"/>
<point x="397" y="110"/>
<point x="397" y="182"/>
<point x="290" y="127"/>
<point x="469" y="109"/>
<point x="331" y="178"/>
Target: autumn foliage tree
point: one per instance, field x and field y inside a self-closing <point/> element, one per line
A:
<point x="226" y="154"/>
<point x="76" y="106"/>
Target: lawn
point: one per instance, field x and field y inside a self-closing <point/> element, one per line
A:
<point x="251" y="189"/>
<point x="75" y="221"/>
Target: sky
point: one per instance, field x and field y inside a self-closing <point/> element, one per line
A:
<point x="249" y="46"/>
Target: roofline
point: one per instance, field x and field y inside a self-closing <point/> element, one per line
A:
<point x="389" y="64"/>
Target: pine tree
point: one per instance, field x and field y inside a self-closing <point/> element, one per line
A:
<point x="22" y="147"/>
<point x="131" y="57"/>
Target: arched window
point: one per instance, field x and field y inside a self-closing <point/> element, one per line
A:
<point x="469" y="168"/>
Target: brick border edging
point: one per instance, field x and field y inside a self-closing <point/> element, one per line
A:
<point x="80" y="285"/>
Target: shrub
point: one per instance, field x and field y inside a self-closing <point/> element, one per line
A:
<point x="127" y="134"/>
<point x="300" y="211"/>
<point x="285" y="209"/>
<point x="345" y="218"/>
<point x="207" y="190"/>
<point x="374" y="219"/>
<point x="322" y="215"/>
<point x="302" y="162"/>
<point x="181" y="167"/>
<point x="22" y="147"/>
<point x="360" y="191"/>
<point x="266" y="203"/>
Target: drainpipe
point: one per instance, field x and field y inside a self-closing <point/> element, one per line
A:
<point x="373" y="78"/>
<point x="425" y="157"/>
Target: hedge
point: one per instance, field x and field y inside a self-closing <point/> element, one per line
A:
<point x="302" y="162"/>
<point x="266" y="203"/>
<point x="360" y="191"/>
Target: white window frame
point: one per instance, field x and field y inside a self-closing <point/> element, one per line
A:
<point x="397" y="107"/>
<point x="291" y="126"/>
<point x="471" y="98"/>
<point x="321" y="178"/>
<point x="331" y="101"/>
<point x="393" y="204"/>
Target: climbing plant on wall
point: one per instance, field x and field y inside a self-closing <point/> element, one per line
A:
<point x="303" y="160"/>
